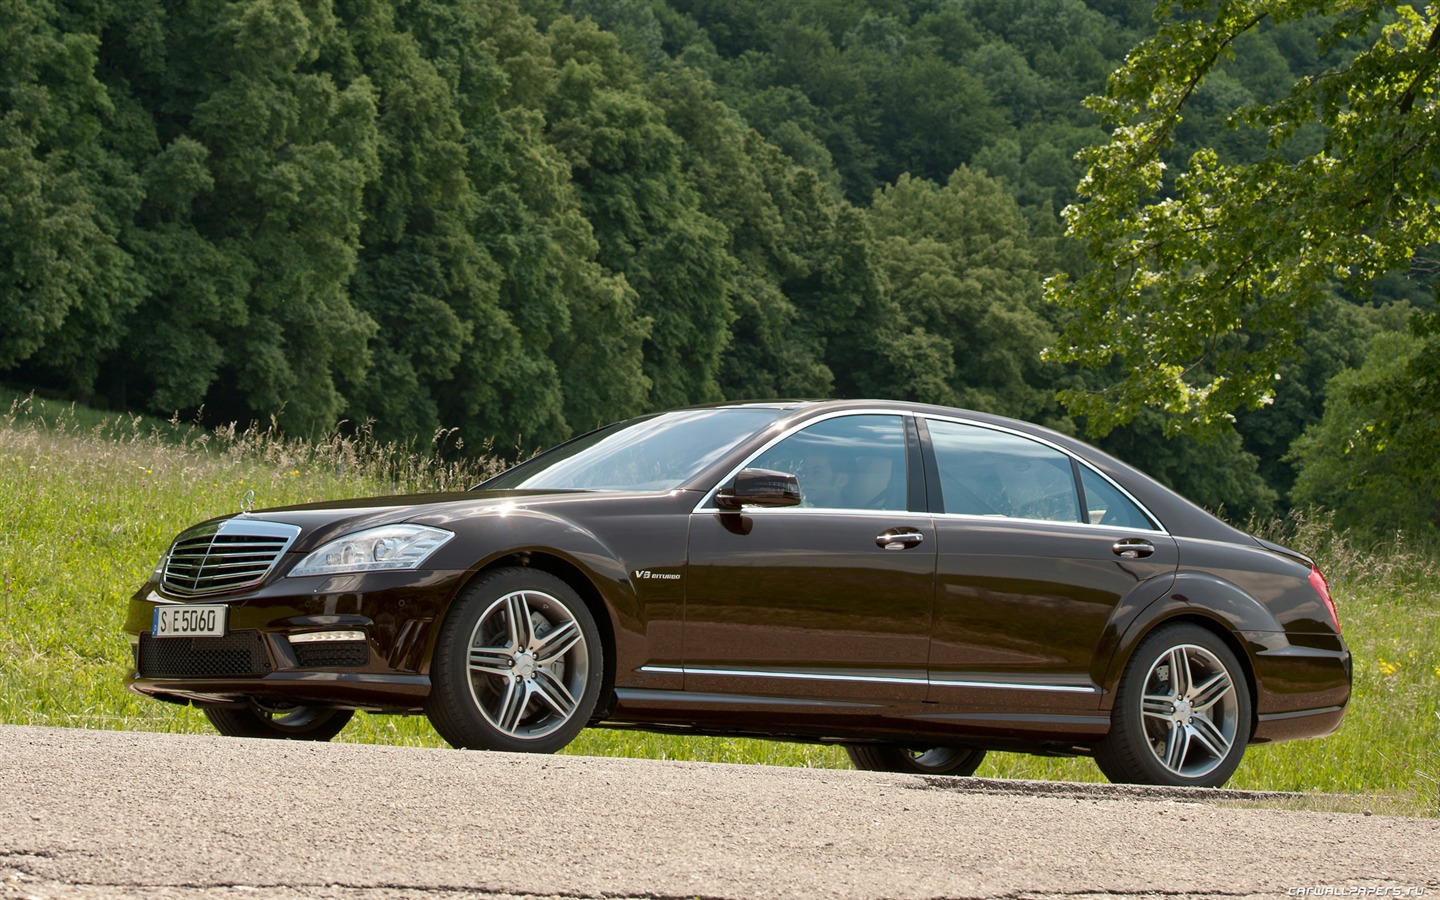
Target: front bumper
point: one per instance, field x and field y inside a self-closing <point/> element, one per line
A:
<point x="387" y="622"/>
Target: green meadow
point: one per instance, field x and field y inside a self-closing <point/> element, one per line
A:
<point x="88" y="504"/>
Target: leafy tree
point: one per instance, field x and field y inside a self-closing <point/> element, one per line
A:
<point x="1338" y="333"/>
<point x="66" y="280"/>
<point x="626" y="165"/>
<point x="1216" y="472"/>
<point x="964" y="283"/>
<point x="749" y="188"/>
<point x="1372" y="457"/>
<point x="1202" y="283"/>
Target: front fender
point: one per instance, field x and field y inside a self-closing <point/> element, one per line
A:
<point x="644" y="614"/>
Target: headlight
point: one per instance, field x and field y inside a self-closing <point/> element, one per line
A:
<point x="375" y="549"/>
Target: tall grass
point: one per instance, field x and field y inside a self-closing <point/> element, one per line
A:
<point x="88" y="505"/>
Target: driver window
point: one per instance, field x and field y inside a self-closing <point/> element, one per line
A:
<point x="849" y="462"/>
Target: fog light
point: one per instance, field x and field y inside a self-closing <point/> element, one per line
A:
<point x="319" y="637"/>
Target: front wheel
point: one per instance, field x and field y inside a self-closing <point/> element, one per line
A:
<point x="518" y="665"/>
<point x="1182" y="712"/>
<point x="917" y="761"/>
<point x="272" y="719"/>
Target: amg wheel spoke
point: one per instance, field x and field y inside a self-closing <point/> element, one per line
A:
<point x="517" y="618"/>
<point x="557" y="643"/>
<point x="1158" y="706"/>
<point x="1180" y="671"/>
<point x="1212" y="691"/>
<point x="513" y="700"/>
<point x="555" y="694"/>
<point x="1210" y="736"/>
<point x="1177" y="748"/>
<point x="492" y="660"/>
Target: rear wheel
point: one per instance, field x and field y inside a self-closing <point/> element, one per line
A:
<point x="1182" y="712"/>
<point x="518" y="665"/>
<point x="273" y="719"/>
<point x="920" y="761"/>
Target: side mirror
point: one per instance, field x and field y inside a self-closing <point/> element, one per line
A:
<point x="759" y="487"/>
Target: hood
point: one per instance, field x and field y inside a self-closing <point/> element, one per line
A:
<point x="322" y="522"/>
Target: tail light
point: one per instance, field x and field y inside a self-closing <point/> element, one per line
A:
<point x="1322" y="587"/>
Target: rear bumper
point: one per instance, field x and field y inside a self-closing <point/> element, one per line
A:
<point x="1310" y="723"/>
<point x="1302" y="684"/>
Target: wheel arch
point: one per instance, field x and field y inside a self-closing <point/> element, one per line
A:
<point x="1218" y="607"/>
<point x="583" y="585"/>
<point x="1227" y="637"/>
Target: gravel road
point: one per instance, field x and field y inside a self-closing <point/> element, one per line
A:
<point x="88" y="814"/>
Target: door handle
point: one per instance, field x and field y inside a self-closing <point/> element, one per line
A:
<point x="1132" y="548"/>
<point x="898" y="539"/>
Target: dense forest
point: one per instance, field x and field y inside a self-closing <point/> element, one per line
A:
<point x="519" y="219"/>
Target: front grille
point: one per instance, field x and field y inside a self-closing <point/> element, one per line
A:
<point x="237" y="653"/>
<point x="225" y="556"/>
<point x="332" y="654"/>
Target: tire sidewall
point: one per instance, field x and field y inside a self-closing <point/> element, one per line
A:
<point x="451" y="706"/>
<point x="895" y="758"/>
<point x="249" y="720"/>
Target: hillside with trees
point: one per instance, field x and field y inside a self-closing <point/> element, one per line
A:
<point x="519" y="219"/>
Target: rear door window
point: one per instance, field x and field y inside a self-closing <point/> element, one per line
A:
<point x="984" y="472"/>
<point x="1106" y="505"/>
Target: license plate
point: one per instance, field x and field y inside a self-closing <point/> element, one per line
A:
<point x="189" y="621"/>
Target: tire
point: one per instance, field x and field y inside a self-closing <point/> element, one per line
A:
<point x="284" y="721"/>
<point x="518" y="665"/>
<point x="927" y="761"/>
<point x="1190" y="733"/>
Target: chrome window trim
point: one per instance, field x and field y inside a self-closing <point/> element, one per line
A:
<point x="834" y="511"/>
<point x="865" y="679"/>
<point x="960" y="420"/>
<point x="707" y="502"/>
<point x="1086" y="526"/>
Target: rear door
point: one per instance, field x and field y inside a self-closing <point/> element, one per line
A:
<point x="1038" y="554"/>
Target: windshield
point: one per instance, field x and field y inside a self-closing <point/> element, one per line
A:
<point x="656" y="453"/>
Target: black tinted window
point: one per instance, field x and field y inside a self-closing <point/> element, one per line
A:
<point x="849" y="462"/>
<point x="984" y="472"/>
<point x="1107" y="506"/>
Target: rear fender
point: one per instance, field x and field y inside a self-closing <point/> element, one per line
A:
<point x="1195" y="596"/>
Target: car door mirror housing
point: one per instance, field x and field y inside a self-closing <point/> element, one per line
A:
<point x="759" y="487"/>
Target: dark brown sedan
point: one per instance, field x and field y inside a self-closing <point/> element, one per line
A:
<point x="918" y="583"/>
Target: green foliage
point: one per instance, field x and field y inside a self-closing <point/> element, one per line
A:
<point x="66" y="281"/>
<point x="1202" y="281"/>
<point x="519" y="219"/>
<point x="1372" y="457"/>
<point x="968" y="326"/>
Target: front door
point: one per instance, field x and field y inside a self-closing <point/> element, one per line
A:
<point x="832" y="597"/>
